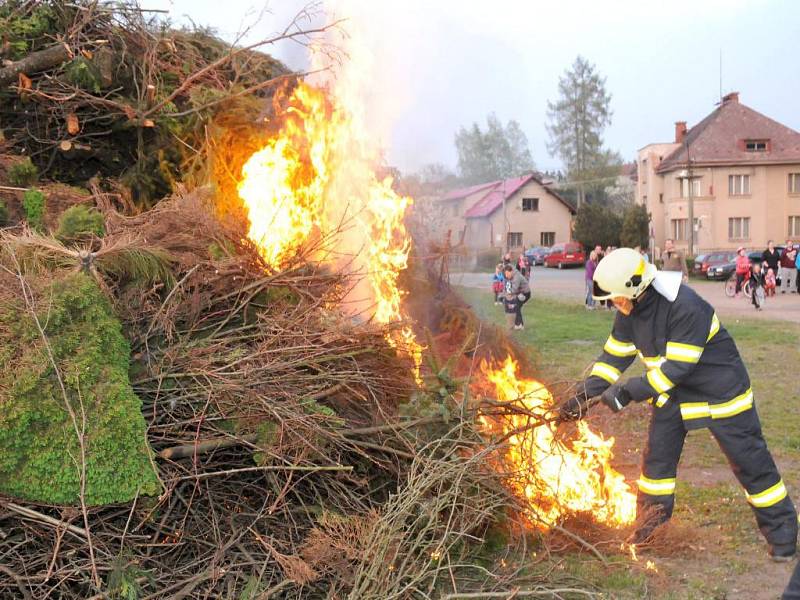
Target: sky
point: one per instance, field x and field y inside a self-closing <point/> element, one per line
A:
<point x="438" y="65"/>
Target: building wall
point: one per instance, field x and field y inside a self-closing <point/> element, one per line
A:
<point x="449" y="215"/>
<point x="650" y="187"/>
<point x="552" y="216"/>
<point x="768" y="205"/>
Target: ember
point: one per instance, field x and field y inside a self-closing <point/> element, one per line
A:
<point x="556" y="478"/>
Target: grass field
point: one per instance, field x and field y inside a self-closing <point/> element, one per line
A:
<point x="726" y="556"/>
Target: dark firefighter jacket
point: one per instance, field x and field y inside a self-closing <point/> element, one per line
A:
<point x="689" y="356"/>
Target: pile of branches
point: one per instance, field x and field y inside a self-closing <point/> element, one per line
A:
<point x="291" y="463"/>
<point x="109" y="89"/>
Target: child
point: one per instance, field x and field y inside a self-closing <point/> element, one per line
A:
<point x="770" y="283"/>
<point x="498" y="283"/>
<point x="757" y="286"/>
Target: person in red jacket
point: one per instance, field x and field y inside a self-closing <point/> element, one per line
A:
<point x="742" y="270"/>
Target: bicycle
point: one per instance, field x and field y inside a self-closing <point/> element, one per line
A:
<point x="730" y="286"/>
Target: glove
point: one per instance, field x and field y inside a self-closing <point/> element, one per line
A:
<point x="574" y="408"/>
<point x="616" y="397"/>
<point x="520" y="297"/>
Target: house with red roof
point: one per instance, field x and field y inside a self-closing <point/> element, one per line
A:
<point x="513" y="213"/>
<point x="743" y="172"/>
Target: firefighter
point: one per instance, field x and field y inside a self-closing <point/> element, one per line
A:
<point x="695" y="378"/>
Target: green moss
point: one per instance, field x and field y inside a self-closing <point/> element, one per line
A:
<point x="79" y="222"/>
<point x="3" y="214"/>
<point x="33" y="201"/>
<point x="23" y="173"/>
<point x="39" y="446"/>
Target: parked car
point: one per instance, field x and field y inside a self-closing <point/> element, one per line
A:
<point x="537" y="254"/>
<point x="717" y="265"/>
<point x="722" y="271"/>
<point x="570" y="254"/>
<point x="698" y="265"/>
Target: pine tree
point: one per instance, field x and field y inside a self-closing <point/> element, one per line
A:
<point x="577" y="120"/>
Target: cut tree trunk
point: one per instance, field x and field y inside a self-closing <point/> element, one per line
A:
<point x="34" y="62"/>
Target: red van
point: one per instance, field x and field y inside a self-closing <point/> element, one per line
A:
<point x="565" y="255"/>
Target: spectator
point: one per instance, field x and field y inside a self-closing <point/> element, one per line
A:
<point x="642" y="252"/>
<point x="598" y="250"/>
<point x="507" y="259"/>
<point x="788" y="270"/>
<point x="771" y="258"/>
<point x="522" y="265"/>
<point x="673" y="260"/>
<point x="742" y="269"/>
<point x="498" y="283"/>
<point x="518" y="292"/>
<point x="591" y="265"/>
<point x="757" y="286"/>
<point x="770" y="283"/>
<point x="797" y="266"/>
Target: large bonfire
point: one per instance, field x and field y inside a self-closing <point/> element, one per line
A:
<point x="207" y="409"/>
<point x="316" y="178"/>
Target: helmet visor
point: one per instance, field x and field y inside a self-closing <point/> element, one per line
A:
<point x="599" y="293"/>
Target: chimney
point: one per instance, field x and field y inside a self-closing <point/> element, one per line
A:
<point x="732" y="97"/>
<point x="680" y="131"/>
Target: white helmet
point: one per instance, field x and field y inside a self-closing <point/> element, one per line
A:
<point x="623" y="273"/>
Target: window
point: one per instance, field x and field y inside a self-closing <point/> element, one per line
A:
<point x="739" y="228"/>
<point x="548" y="238"/>
<point x="794" y="183"/>
<point x="738" y="185"/>
<point x="514" y="239"/>
<point x="530" y="204"/>
<point x="685" y="186"/>
<point x="643" y="177"/>
<point x="756" y="145"/>
<point x="661" y="198"/>
<point x="794" y="226"/>
<point x="644" y="200"/>
<point x="678" y="229"/>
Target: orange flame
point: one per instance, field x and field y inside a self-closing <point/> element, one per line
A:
<point x="316" y="179"/>
<point x="554" y="477"/>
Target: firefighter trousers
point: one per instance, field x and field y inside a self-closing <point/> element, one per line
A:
<point x="743" y="444"/>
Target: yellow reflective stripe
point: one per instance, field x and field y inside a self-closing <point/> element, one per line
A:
<point x="656" y="487"/>
<point x="662" y="400"/>
<point x="659" y="381"/>
<point x="617" y="348"/>
<point x="714" y="327"/>
<point x="652" y="362"/>
<point x="694" y="410"/>
<point x="605" y="371"/>
<point x="733" y="407"/>
<point x="683" y="352"/>
<point x="769" y="496"/>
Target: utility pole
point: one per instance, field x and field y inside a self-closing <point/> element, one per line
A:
<point x="690" y="199"/>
